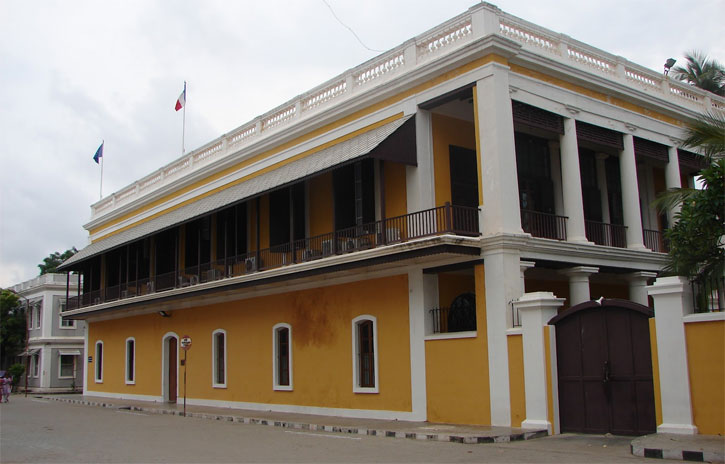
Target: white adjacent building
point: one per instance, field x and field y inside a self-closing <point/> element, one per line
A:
<point x="55" y="345"/>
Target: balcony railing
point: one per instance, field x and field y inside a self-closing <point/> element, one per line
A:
<point x="447" y="219"/>
<point x="613" y="235"/>
<point x="543" y="225"/>
<point x="654" y="240"/>
<point x="708" y="295"/>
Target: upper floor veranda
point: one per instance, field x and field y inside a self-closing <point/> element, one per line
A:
<point x="485" y="125"/>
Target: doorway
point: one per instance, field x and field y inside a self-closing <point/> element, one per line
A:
<point x="170" y="368"/>
<point x="604" y="368"/>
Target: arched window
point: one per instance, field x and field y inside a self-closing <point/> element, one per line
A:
<point x="282" y="339"/>
<point x="219" y="358"/>
<point x="462" y="313"/>
<point x="365" y="354"/>
<point x="99" y="362"/>
<point x="130" y="361"/>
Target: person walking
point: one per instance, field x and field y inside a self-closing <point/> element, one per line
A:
<point x="6" y="385"/>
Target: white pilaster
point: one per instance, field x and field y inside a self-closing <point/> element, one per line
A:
<point x="572" y="183"/>
<point x="420" y="180"/>
<point x="416" y="318"/>
<point x="500" y="212"/>
<point x="630" y="195"/>
<point x="555" y="163"/>
<point x="673" y="179"/>
<point x="536" y="309"/>
<point x="45" y="366"/>
<point x="579" y="283"/>
<point x="638" y="286"/>
<point x="673" y="299"/>
<point x="503" y="276"/>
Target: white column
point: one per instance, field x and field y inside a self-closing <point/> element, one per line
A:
<point x="500" y="212"/>
<point x="416" y="317"/>
<point x="572" y="183"/>
<point x="503" y="277"/>
<point x="420" y="180"/>
<point x="647" y="194"/>
<point x="673" y="179"/>
<point x="630" y="195"/>
<point x="536" y="309"/>
<point x="673" y="299"/>
<point x="579" y="283"/>
<point x="46" y="362"/>
<point x="638" y="286"/>
<point x="555" y="164"/>
<point x="524" y="265"/>
<point x="603" y="188"/>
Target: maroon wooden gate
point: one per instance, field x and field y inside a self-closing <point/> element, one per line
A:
<point x="605" y="368"/>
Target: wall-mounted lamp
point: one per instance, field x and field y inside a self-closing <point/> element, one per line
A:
<point x="668" y="64"/>
<point x="164" y="314"/>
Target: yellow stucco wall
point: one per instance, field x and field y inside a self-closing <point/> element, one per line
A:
<point x="457" y="382"/>
<point x="451" y="284"/>
<point x="706" y="362"/>
<point x="516" y="379"/>
<point x="395" y="190"/>
<point x="321" y="321"/>
<point x="448" y="131"/>
<point x="655" y="370"/>
<point x="320" y="191"/>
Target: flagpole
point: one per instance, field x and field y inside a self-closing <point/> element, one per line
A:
<point x="183" y="124"/>
<point x="101" y="190"/>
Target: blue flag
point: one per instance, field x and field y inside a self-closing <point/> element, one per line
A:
<point x="99" y="153"/>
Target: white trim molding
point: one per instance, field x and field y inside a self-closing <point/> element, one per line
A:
<point x="275" y="357"/>
<point x="130" y="380"/>
<point x="214" y="360"/>
<point x="356" y="388"/>
<point x="98" y="366"/>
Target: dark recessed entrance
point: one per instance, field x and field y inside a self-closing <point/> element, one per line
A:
<point x="604" y="368"/>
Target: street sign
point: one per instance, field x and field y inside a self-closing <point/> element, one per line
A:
<point x="185" y="342"/>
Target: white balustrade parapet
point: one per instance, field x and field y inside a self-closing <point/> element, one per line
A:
<point x="478" y="21"/>
<point x="45" y="279"/>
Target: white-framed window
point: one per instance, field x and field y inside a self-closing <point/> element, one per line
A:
<point x="365" y="354"/>
<point x="282" y="356"/>
<point x="36" y="315"/>
<point x="35" y="364"/>
<point x="64" y="322"/>
<point x="219" y="358"/>
<point x="66" y="366"/>
<point x="98" y="362"/>
<point x="130" y="373"/>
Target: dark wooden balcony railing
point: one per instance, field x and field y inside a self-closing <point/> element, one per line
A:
<point x="447" y="219"/>
<point x="613" y="235"/>
<point x="654" y="240"/>
<point x="543" y="225"/>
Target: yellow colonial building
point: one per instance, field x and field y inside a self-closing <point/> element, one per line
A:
<point x="420" y="238"/>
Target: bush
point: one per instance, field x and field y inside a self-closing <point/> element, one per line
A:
<point x="16" y="371"/>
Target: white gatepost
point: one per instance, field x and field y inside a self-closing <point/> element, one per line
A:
<point x="673" y="300"/>
<point x="535" y="310"/>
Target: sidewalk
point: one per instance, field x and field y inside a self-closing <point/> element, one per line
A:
<point x="702" y="448"/>
<point x="385" y="428"/>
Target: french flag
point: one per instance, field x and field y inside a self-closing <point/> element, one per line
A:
<point x="182" y="99"/>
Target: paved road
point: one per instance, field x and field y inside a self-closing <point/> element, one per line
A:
<point x="36" y="430"/>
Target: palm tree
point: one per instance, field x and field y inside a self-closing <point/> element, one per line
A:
<point x="697" y="239"/>
<point x="702" y="72"/>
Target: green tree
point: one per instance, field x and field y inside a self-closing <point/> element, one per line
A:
<point x="701" y="72"/>
<point x="12" y="327"/>
<point x="697" y="240"/>
<point x="51" y="263"/>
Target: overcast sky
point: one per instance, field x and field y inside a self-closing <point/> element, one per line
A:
<point x="76" y="72"/>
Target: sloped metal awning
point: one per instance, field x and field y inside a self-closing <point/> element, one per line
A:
<point x="366" y="143"/>
<point x="30" y="352"/>
<point x="69" y="352"/>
